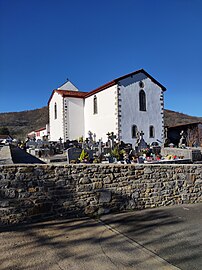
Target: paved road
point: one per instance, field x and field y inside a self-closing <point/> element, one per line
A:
<point x="173" y="233"/>
<point x="81" y="244"/>
<point x="143" y="240"/>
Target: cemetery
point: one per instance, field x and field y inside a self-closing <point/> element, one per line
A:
<point x="91" y="150"/>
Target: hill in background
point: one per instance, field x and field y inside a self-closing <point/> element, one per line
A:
<point x="21" y="123"/>
<point x="172" y="118"/>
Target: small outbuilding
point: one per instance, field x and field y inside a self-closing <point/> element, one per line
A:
<point x="192" y="131"/>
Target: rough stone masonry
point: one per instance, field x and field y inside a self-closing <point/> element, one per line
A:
<point x="34" y="192"/>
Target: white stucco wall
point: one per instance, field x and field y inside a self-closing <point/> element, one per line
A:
<point x="106" y="119"/>
<point x="56" y="125"/>
<point x="74" y="119"/>
<point x="130" y="113"/>
<point x="39" y="135"/>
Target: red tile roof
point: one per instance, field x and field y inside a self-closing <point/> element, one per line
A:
<point x="68" y="93"/>
<point x="40" y="129"/>
<point x="78" y="94"/>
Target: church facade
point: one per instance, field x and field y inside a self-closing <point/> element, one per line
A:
<point x="125" y="106"/>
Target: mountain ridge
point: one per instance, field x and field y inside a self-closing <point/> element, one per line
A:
<point x="21" y="123"/>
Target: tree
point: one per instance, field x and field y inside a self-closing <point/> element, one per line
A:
<point x="4" y="131"/>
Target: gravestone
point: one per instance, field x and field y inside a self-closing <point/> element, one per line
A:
<point x="100" y="147"/>
<point x="90" y="153"/>
<point x="73" y="154"/>
<point x="31" y="144"/>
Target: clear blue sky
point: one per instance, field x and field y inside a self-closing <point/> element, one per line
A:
<point x="91" y="42"/>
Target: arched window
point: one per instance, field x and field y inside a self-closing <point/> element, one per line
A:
<point x="151" y="132"/>
<point x="95" y="111"/>
<point x="142" y="100"/>
<point x="134" y="131"/>
<point x="55" y="110"/>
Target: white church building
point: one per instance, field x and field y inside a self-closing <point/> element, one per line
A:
<point x="127" y="105"/>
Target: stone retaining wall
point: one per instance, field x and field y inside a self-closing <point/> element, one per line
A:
<point x="194" y="154"/>
<point x="5" y="155"/>
<point x="29" y="192"/>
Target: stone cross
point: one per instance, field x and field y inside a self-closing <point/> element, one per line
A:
<point x="112" y="137"/>
<point x="100" y="147"/>
<point x="90" y="134"/>
<point x="108" y="139"/>
<point x="141" y="135"/>
<point x="60" y="140"/>
<point x="94" y="137"/>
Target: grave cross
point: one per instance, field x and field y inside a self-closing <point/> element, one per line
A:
<point x="94" y="137"/>
<point x="112" y="137"/>
<point x="100" y="147"/>
<point x="141" y="134"/>
<point x="60" y="140"/>
<point x="90" y="134"/>
<point x="108" y="139"/>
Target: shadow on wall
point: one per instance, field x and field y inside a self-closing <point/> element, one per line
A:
<point x="37" y="192"/>
<point x="20" y="156"/>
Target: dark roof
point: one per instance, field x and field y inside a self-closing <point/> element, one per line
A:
<point x="115" y="81"/>
<point x="184" y="125"/>
<point x="78" y="94"/>
<point x="4" y="137"/>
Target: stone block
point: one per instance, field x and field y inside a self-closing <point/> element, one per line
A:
<point x="4" y="203"/>
<point x="102" y="211"/>
<point x="135" y="195"/>
<point x="91" y="209"/>
<point x="84" y="180"/>
<point x="32" y="189"/>
<point x="147" y="170"/>
<point x="10" y="193"/>
<point x="105" y="196"/>
<point x="97" y="185"/>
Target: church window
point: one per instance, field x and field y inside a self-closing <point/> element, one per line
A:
<point x="134" y="131"/>
<point x="141" y="84"/>
<point x="151" y="131"/>
<point x="95" y="111"/>
<point x="55" y="110"/>
<point x="142" y="100"/>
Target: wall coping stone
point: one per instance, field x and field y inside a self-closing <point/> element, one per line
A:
<point x="98" y="165"/>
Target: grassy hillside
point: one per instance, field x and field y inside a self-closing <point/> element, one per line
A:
<point x="21" y="123"/>
<point x="175" y="118"/>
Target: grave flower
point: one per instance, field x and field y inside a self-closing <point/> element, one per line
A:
<point x="84" y="157"/>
